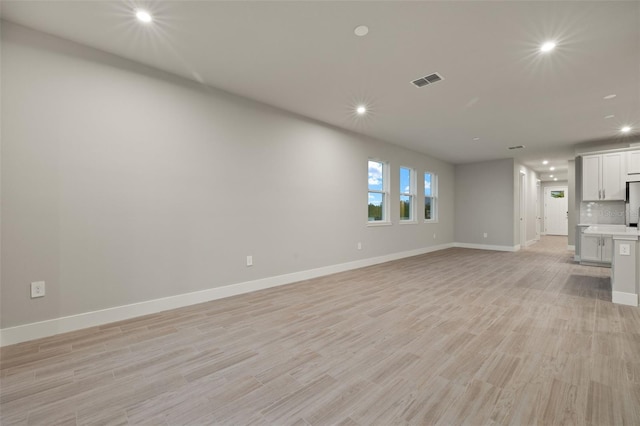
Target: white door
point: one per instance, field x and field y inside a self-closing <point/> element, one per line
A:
<point x="556" y="210"/>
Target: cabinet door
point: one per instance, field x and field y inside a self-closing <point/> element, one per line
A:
<point x="591" y="177"/>
<point x="633" y="162"/>
<point x="590" y="248"/>
<point x="606" y="249"/>
<point x="613" y="187"/>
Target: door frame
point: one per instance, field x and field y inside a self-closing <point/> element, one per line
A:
<point x="538" y="213"/>
<point x="548" y="190"/>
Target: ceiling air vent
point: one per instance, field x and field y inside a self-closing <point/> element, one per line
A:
<point x="516" y="147"/>
<point x="430" y="79"/>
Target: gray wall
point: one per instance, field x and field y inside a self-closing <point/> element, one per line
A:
<point x="122" y="184"/>
<point x="484" y="199"/>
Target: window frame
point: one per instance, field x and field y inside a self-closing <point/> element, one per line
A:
<point x="411" y="194"/>
<point x="433" y="196"/>
<point x="384" y="192"/>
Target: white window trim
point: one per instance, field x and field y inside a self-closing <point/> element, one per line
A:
<point x="434" y="197"/>
<point x="412" y="193"/>
<point x="385" y="194"/>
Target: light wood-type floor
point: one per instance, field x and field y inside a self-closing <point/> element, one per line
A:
<point x="454" y="337"/>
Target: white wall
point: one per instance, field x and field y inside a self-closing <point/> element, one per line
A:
<point x="122" y="184"/>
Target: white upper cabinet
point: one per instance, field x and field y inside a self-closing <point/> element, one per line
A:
<point x="591" y="166"/>
<point x="613" y="179"/>
<point x="603" y="177"/>
<point x="633" y="162"/>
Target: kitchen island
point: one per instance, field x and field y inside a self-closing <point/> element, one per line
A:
<point x="624" y="262"/>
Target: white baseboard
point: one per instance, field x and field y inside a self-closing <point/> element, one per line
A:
<point x="621" y="298"/>
<point x="487" y="247"/>
<point x="36" y="330"/>
<point x="571" y="247"/>
<point x="531" y="242"/>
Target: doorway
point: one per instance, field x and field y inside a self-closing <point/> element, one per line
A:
<point x="556" y="210"/>
<point x="523" y="210"/>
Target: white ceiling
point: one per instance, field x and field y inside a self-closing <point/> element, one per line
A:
<point x="304" y="57"/>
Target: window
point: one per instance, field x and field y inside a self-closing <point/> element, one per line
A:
<point x="430" y="197"/>
<point x="407" y="194"/>
<point x="378" y="194"/>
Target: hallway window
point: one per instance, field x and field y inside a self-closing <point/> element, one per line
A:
<point x="430" y="197"/>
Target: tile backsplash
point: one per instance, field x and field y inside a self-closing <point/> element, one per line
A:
<point x="602" y="212"/>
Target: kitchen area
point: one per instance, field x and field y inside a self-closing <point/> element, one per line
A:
<point x="607" y="231"/>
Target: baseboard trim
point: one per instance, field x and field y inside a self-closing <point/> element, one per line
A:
<point x="487" y="247"/>
<point x="622" y="298"/>
<point x="571" y="247"/>
<point x="531" y="242"/>
<point x="37" y="330"/>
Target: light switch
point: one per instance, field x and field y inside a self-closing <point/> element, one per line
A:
<point x="625" y="250"/>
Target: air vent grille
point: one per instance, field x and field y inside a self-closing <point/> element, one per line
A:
<point x="420" y="82"/>
<point x="429" y="79"/>
<point x="516" y="147"/>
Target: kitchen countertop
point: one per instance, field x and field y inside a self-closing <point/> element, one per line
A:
<point x="613" y="230"/>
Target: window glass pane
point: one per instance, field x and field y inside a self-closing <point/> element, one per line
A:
<point x="405" y="207"/>
<point x="427" y="184"/>
<point x="427" y="208"/>
<point x="376" y="206"/>
<point x="375" y="176"/>
<point x="405" y="180"/>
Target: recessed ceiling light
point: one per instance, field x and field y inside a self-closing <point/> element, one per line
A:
<point x="361" y="110"/>
<point x="611" y="96"/>
<point x="552" y="168"/>
<point x="548" y="46"/>
<point x="545" y="162"/>
<point x="361" y="31"/>
<point x="550" y="175"/>
<point x="476" y="138"/>
<point x="625" y="129"/>
<point x="143" y="16"/>
<point x="555" y="178"/>
<point x="606" y="117"/>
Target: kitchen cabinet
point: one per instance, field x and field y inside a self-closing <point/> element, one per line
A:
<point x="603" y="177"/>
<point x="633" y="163"/>
<point x="596" y="249"/>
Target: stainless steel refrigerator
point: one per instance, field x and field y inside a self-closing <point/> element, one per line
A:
<point x="633" y="203"/>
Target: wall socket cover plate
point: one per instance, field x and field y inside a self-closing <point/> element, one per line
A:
<point x="37" y="289"/>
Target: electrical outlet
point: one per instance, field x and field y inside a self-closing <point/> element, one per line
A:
<point x="37" y="289"/>
<point x="359" y="246"/>
<point x="486" y="235"/>
<point x="625" y="250"/>
<point x="249" y="260"/>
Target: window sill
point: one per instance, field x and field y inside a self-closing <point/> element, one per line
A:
<point x="431" y="221"/>
<point x="408" y="222"/>
<point x="380" y="223"/>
